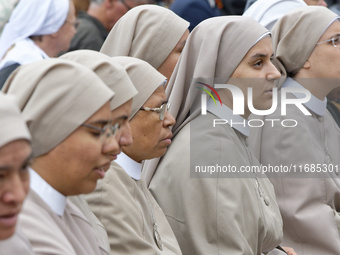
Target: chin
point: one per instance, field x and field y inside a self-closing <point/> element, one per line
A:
<point x="6" y="233"/>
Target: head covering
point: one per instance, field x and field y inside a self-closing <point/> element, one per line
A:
<point x="33" y="17"/>
<point x="296" y="34"/>
<point x="56" y="96"/>
<point x="12" y="124"/>
<point x="145" y="78"/>
<point x="212" y="52"/>
<point x="209" y="59"/>
<point x="267" y="12"/>
<point x="147" y="32"/>
<point x="6" y="9"/>
<point x="111" y="73"/>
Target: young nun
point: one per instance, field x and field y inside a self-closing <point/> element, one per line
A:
<point x="67" y="110"/>
<point x="37" y="29"/>
<point x="116" y="78"/>
<point x="15" y="153"/>
<point x="134" y="221"/>
<point x="151" y="33"/>
<point x="306" y="43"/>
<point x="221" y="213"/>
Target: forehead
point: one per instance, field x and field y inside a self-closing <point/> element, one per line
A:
<point x="157" y="96"/>
<point x="14" y="153"/>
<point x="264" y="46"/>
<point x="332" y="30"/>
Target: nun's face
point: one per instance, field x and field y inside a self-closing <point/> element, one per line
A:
<point x="151" y="136"/>
<point x="168" y="66"/>
<point x="14" y="183"/>
<point x="74" y="166"/>
<point x="256" y="71"/>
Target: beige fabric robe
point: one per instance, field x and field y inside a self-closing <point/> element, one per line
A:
<point x="124" y="205"/>
<point x="98" y="227"/>
<point x="17" y="244"/>
<point x="49" y="233"/>
<point x="309" y="206"/>
<point x="220" y="214"/>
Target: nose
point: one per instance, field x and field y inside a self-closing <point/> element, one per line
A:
<point x="169" y="120"/>
<point x="273" y="73"/>
<point x="125" y="138"/>
<point x="111" y="146"/>
<point x="16" y="190"/>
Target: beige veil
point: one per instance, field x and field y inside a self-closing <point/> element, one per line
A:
<point x="147" y="32"/>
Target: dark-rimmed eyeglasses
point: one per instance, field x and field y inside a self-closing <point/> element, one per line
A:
<point x="335" y="41"/>
<point x="105" y="132"/>
<point x="161" y="110"/>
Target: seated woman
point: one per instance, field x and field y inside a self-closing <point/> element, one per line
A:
<point x="151" y="33"/>
<point x="67" y="110"/>
<point x="222" y="212"/>
<point x="308" y="197"/>
<point x="15" y="154"/>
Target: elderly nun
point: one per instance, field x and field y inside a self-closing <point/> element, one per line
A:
<point x="134" y="221"/>
<point x="67" y="109"/>
<point x="221" y="212"/>
<point x="306" y="42"/>
<point x="37" y="29"/>
<point x="151" y="33"/>
<point x="15" y="155"/>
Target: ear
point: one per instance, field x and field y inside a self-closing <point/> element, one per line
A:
<point x="307" y="65"/>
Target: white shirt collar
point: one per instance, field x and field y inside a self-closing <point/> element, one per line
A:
<point x="47" y="193"/>
<point x="224" y="112"/>
<point x="314" y="104"/>
<point x="131" y="167"/>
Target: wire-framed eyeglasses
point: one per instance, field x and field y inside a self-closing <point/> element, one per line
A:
<point x="105" y="132"/>
<point x="161" y="110"/>
<point x="335" y="41"/>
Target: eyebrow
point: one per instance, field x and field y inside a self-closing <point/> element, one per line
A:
<point x="26" y="162"/>
<point x="100" y="122"/>
<point x="123" y="117"/>
<point x="259" y="55"/>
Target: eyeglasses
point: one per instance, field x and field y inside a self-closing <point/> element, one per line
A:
<point x="73" y="23"/>
<point x="128" y="7"/>
<point x="161" y="110"/>
<point x="335" y="41"/>
<point x="106" y="132"/>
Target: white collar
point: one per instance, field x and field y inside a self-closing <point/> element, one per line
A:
<point x="314" y="104"/>
<point x="47" y="193"/>
<point x="224" y="112"/>
<point x="131" y="167"/>
<point x="23" y="52"/>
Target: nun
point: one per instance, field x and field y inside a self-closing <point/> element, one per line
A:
<point x="37" y="29"/>
<point x="116" y="78"/>
<point x="134" y="221"/>
<point x="306" y="42"/>
<point x="219" y="212"/>
<point x="151" y="33"/>
<point x="67" y="110"/>
<point x="15" y="155"/>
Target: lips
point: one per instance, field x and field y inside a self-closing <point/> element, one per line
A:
<point x="168" y="139"/>
<point x="102" y="169"/>
<point x="9" y="220"/>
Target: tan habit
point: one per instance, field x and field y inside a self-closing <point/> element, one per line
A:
<point x="112" y="74"/>
<point x="116" y="78"/>
<point x="147" y="32"/>
<point x="308" y="198"/>
<point x="12" y="125"/>
<point x="56" y="96"/>
<point x="216" y="215"/>
<point x="294" y="40"/>
<point x="124" y="205"/>
<point x="144" y="77"/>
<point x="52" y="117"/>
